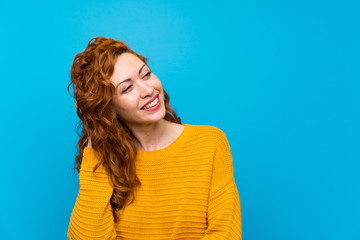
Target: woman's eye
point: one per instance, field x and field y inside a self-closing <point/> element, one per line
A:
<point x="127" y="88"/>
<point x="147" y="74"/>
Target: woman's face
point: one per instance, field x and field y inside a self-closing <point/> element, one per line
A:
<point x="135" y="86"/>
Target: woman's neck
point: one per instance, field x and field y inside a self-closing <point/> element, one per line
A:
<point x="154" y="136"/>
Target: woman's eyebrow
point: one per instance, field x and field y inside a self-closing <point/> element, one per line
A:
<point x="128" y="79"/>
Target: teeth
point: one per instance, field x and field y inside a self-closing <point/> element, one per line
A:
<point x="153" y="103"/>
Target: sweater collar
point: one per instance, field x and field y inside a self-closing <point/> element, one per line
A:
<point x="168" y="150"/>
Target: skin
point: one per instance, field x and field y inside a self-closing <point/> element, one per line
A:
<point x="150" y="129"/>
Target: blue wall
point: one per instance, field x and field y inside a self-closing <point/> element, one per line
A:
<point x="280" y="78"/>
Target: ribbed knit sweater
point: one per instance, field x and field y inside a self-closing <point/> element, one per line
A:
<point x="187" y="191"/>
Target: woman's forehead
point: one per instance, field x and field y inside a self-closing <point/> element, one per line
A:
<point x="126" y="63"/>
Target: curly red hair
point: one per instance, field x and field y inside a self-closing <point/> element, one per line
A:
<point x="111" y="138"/>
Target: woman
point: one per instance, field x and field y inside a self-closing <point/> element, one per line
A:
<point x="143" y="174"/>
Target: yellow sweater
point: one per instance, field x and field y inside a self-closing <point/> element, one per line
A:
<point x="188" y="191"/>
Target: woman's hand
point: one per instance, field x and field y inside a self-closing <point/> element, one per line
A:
<point x="89" y="143"/>
<point x="75" y="104"/>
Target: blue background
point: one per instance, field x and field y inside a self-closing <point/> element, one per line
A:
<point x="280" y="78"/>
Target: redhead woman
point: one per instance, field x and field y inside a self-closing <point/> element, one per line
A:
<point x="143" y="174"/>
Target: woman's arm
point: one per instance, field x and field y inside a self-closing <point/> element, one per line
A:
<point x="224" y="214"/>
<point x="92" y="216"/>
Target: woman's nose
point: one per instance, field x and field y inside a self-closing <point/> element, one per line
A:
<point x="145" y="90"/>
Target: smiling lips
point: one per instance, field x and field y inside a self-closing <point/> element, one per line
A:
<point x="152" y="103"/>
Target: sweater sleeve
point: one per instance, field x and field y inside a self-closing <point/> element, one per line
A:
<point x="92" y="216"/>
<point x="224" y="214"/>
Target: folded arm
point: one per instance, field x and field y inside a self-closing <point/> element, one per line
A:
<point x="92" y="216"/>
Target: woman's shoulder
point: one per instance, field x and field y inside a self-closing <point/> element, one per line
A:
<point x="206" y="129"/>
<point x="208" y="132"/>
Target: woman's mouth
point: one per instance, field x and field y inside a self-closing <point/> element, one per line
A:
<point x="153" y="105"/>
